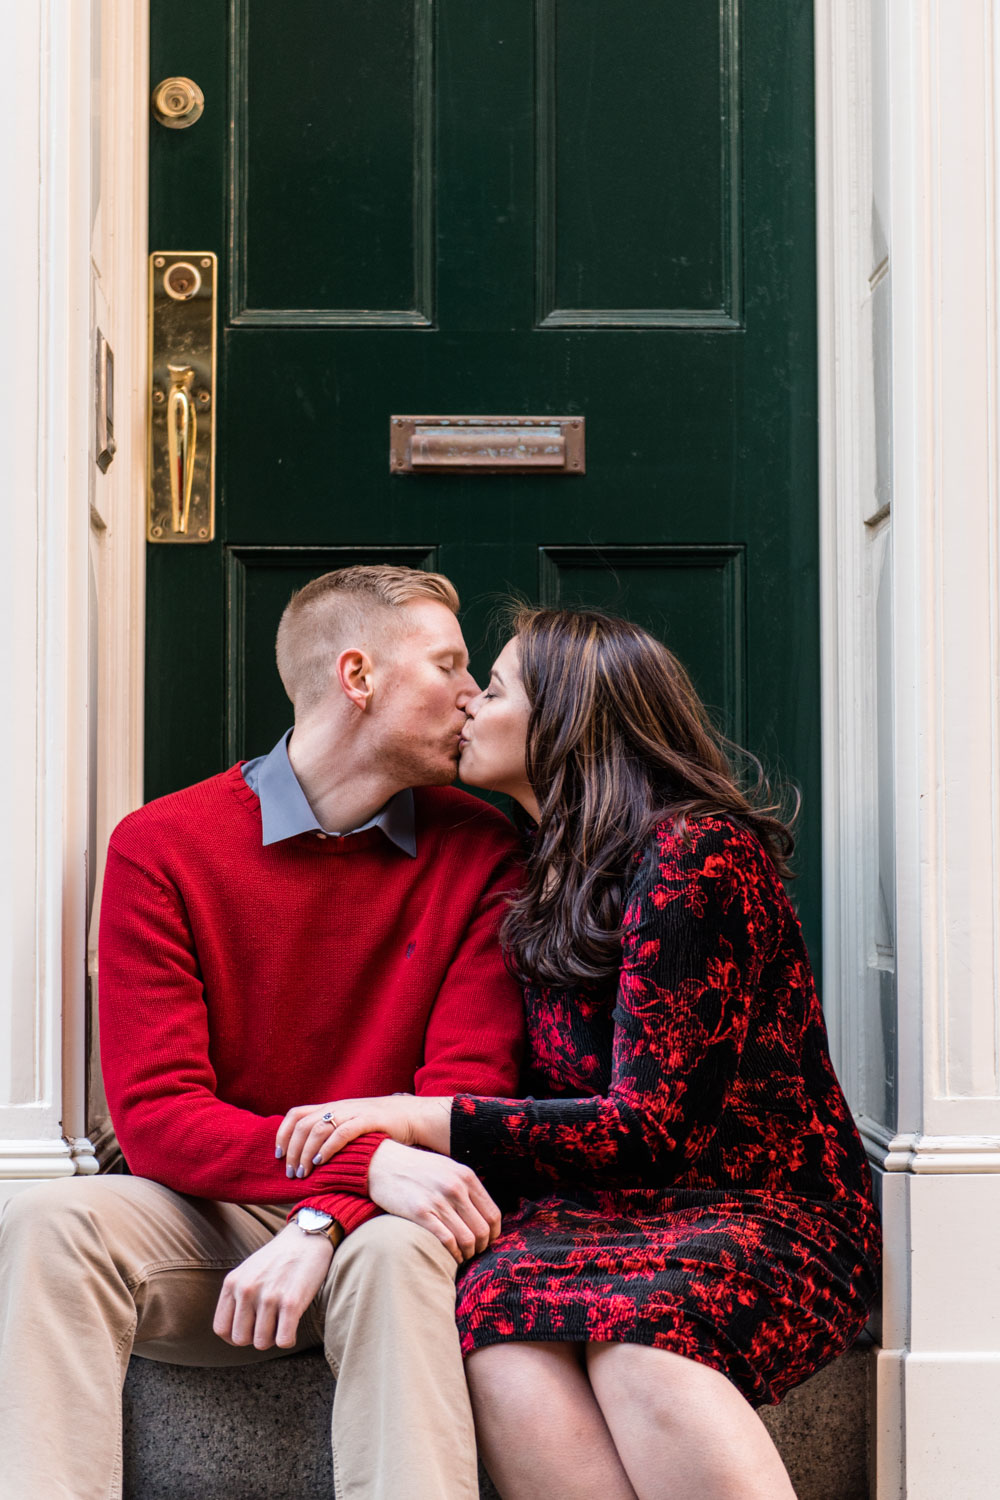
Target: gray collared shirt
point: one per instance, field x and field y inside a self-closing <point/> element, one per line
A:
<point x="284" y="811"/>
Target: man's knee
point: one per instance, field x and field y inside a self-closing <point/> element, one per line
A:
<point x="70" y="1217"/>
<point x="391" y="1290"/>
<point x="390" y="1254"/>
<point x="395" y="1244"/>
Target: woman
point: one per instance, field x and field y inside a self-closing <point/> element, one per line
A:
<point x="695" y="1233"/>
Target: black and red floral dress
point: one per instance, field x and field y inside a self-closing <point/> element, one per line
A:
<point x="690" y="1176"/>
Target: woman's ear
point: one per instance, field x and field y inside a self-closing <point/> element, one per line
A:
<point x="354" y="673"/>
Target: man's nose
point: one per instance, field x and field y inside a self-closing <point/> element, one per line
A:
<point x="469" y="690"/>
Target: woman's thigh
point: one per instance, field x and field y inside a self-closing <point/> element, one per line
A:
<point x="515" y="1376"/>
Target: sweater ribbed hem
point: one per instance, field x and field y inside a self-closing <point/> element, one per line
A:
<point x="348" y="1209"/>
<point x="351" y="1164"/>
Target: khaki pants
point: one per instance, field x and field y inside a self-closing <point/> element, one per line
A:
<point x="92" y="1268"/>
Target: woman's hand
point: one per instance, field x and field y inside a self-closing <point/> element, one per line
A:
<point x="311" y="1133"/>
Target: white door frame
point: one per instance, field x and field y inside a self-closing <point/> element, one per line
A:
<point x="73" y="585"/>
<point x="907" y="192"/>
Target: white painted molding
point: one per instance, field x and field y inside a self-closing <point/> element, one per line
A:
<point x="944" y="131"/>
<point x="84" y="1155"/>
<point x="117" y="544"/>
<point x="71" y="575"/>
<point x="64" y="448"/>
<point x="42" y="1159"/>
<point x="929" y="1153"/>
<point x="855" y="511"/>
<point x="909" y="300"/>
<point x="43" y="430"/>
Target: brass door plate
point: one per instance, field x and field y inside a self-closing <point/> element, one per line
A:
<point x="484" y="445"/>
<point x="180" y="502"/>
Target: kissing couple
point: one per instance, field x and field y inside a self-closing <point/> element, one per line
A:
<point x="530" y="1125"/>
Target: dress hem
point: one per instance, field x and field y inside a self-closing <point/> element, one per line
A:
<point x="656" y="1341"/>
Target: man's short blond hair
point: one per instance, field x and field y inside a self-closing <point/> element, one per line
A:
<point x="349" y="607"/>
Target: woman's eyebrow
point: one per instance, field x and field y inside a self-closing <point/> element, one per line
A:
<point x="496" y="675"/>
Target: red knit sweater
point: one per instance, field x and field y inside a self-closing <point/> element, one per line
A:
<point x="237" y="981"/>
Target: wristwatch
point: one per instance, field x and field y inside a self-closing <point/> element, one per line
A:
<point x="314" y="1221"/>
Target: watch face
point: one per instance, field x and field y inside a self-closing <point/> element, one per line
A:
<point x="313" y="1221"/>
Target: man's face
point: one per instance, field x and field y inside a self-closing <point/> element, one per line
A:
<point x="421" y="689"/>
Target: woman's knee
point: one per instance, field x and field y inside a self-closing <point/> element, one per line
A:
<point x="658" y="1383"/>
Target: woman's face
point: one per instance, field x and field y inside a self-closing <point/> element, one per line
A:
<point x="496" y="733"/>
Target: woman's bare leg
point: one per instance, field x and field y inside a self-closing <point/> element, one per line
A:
<point x="540" y="1431"/>
<point x="682" y="1430"/>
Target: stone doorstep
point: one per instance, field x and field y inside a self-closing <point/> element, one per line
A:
<point x="260" y="1432"/>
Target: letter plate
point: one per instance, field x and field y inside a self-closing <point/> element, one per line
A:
<point x="483" y="445"/>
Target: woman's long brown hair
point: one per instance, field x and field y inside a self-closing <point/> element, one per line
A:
<point x="618" y="739"/>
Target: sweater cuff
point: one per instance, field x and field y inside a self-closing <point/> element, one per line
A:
<point x="348" y="1209"/>
<point x="348" y="1170"/>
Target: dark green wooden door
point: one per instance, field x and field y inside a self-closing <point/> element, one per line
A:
<point x="432" y="206"/>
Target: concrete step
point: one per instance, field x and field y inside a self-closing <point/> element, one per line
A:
<point x="260" y="1432"/>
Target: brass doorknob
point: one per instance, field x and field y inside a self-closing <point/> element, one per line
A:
<point x="178" y="103"/>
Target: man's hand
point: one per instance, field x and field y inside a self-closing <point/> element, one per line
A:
<point x="263" y="1299"/>
<point x="437" y="1193"/>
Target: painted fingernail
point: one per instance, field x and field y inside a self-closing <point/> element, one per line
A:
<point x="289" y="1172"/>
<point x="317" y="1160"/>
<point x="279" y="1152"/>
<point x="300" y="1171"/>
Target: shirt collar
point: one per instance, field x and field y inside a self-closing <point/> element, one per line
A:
<point x="285" y="812"/>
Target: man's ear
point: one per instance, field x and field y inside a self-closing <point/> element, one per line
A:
<point x="354" y="673"/>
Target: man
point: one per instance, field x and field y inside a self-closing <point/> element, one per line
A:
<point x="255" y="956"/>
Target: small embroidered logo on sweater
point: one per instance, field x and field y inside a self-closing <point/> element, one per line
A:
<point x="411" y="948"/>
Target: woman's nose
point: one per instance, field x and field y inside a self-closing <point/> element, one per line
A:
<point x="469" y="693"/>
<point x="472" y="706"/>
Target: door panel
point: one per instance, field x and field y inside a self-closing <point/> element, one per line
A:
<point x="663" y="179"/>
<point x="560" y="208"/>
<point x="683" y="595"/>
<point x="334" y="138"/>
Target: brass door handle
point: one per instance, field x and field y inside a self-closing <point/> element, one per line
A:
<point x="180" y="491"/>
<point x="182" y="441"/>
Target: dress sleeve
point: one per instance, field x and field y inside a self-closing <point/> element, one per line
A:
<point x="696" y="925"/>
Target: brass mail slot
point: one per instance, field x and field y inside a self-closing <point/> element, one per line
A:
<point x="476" y="445"/>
